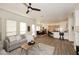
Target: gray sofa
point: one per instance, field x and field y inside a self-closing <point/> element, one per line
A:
<point x="2" y="51"/>
<point x="13" y="42"/>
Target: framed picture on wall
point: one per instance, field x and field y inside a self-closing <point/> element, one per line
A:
<point x="28" y="28"/>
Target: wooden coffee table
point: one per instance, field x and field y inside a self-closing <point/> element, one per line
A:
<point x="25" y="47"/>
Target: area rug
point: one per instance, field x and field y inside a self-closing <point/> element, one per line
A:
<point x="37" y="49"/>
<point x="41" y="49"/>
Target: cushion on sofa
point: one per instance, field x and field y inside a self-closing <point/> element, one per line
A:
<point x="18" y="37"/>
<point x="23" y="36"/>
<point x="12" y="38"/>
<point x="23" y="40"/>
<point x="13" y="42"/>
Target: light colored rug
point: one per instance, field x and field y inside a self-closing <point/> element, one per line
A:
<point x="41" y="49"/>
<point x="38" y="49"/>
<point x="3" y="52"/>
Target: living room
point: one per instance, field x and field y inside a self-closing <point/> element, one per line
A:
<point x="19" y="24"/>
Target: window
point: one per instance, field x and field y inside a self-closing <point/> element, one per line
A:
<point x="10" y="27"/>
<point x="22" y="28"/>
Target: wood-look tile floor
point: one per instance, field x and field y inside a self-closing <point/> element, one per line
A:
<point x="62" y="47"/>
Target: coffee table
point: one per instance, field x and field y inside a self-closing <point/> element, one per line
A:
<point x="25" y="47"/>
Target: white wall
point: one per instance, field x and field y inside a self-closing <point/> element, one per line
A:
<point x="34" y="30"/>
<point x="76" y="42"/>
<point x="70" y="25"/>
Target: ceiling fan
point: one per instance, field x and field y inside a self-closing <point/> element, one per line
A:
<point x="30" y="7"/>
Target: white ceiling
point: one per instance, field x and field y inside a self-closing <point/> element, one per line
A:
<point x="54" y="11"/>
<point x="49" y="11"/>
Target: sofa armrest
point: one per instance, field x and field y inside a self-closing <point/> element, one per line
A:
<point x="6" y="44"/>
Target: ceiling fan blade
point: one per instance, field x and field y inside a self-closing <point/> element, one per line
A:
<point x="27" y="11"/>
<point x="36" y="9"/>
